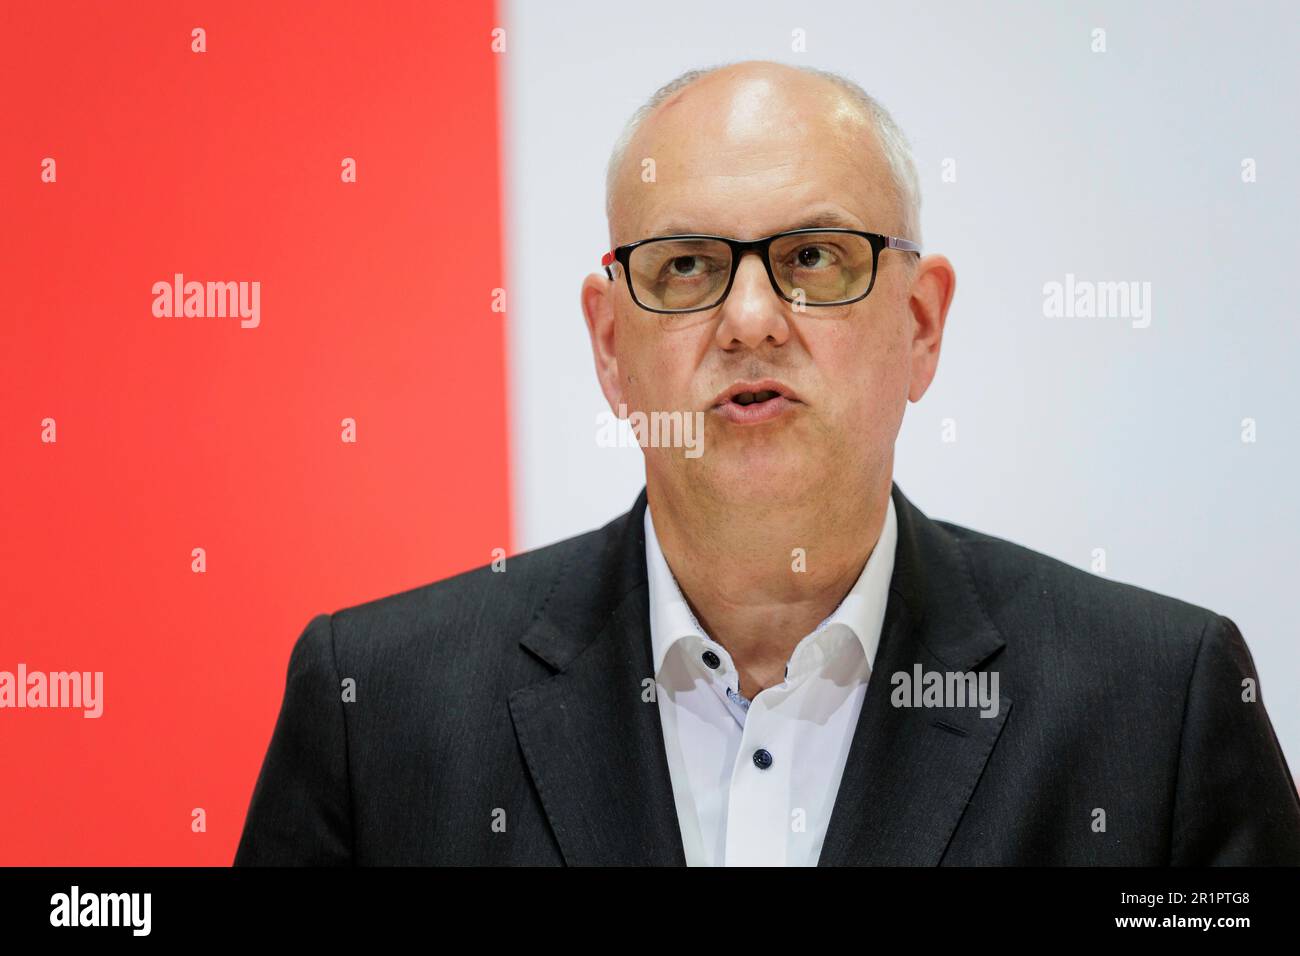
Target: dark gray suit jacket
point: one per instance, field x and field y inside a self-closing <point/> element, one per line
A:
<point x="501" y="718"/>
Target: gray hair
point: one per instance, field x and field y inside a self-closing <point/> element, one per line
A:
<point x="893" y="143"/>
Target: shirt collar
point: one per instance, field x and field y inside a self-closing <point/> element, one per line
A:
<point x="862" y="610"/>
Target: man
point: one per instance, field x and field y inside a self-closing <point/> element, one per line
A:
<point x="774" y="657"/>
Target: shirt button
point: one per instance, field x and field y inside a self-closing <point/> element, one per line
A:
<point x="711" y="659"/>
<point x="762" y="759"/>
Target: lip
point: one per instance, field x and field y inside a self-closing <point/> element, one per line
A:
<point x="757" y="413"/>
<point x="785" y="400"/>
<point x="762" y="385"/>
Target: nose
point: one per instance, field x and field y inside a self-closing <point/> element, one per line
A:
<point x="752" y="312"/>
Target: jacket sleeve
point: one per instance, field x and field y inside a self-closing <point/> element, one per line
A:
<point x="300" y="813"/>
<point x="1235" y="803"/>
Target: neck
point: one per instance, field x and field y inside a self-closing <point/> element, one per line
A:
<point x="739" y="566"/>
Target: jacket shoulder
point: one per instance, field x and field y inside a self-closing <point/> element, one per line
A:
<point x="1020" y="584"/>
<point x="485" y="609"/>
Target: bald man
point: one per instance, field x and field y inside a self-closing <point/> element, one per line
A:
<point x="773" y="658"/>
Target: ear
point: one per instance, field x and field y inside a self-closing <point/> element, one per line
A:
<point x="598" y="308"/>
<point x="933" y="283"/>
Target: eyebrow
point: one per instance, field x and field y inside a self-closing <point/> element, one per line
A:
<point x="827" y="219"/>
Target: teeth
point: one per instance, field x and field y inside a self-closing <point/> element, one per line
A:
<point x="749" y="398"/>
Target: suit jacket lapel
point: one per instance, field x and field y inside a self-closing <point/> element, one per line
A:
<point x="592" y="741"/>
<point x="590" y="734"/>
<point x="911" y="771"/>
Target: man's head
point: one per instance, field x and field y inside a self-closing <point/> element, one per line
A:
<point x="744" y="151"/>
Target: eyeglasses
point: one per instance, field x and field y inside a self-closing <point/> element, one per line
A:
<point x="692" y="273"/>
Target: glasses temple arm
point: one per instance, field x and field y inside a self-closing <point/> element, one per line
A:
<point x="906" y="245"/>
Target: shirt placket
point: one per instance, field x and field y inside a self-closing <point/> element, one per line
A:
<point x="758" y="804"/>
<point x="759" y="817"/>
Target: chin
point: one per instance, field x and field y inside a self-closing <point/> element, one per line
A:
<point x="761" y="473"/>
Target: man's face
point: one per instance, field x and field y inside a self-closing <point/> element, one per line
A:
<point x="746" y="156"/>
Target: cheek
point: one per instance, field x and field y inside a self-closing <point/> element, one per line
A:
<point x="866" y="362"/>
<point x="869" y="386"/>
<point x="657" y="368"/>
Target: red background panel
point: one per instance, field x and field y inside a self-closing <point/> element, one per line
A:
<point x="177" y="433"/>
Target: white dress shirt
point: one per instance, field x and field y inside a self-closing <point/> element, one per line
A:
<point x="731" y="810"/>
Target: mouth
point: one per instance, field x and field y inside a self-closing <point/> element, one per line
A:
<point x="749" y="398"/>
<point x="746" y="393"/>
<point x="755" y="402"/>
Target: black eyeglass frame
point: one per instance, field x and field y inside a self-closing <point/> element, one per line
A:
<point x="622" y="254"/>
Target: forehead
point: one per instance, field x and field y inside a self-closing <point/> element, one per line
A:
<point x="752" y="155"/>
<point x="818" y="215"/>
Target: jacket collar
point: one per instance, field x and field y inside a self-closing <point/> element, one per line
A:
<point x="592" y="741"/>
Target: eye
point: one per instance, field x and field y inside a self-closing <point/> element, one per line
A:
<point x="683" y="266"/>
<point x="688" y="267"/>
<point x="813" y="257"/>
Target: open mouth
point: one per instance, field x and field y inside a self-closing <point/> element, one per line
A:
<point x="752" y="398"/>
<point x="750" y="401"/>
